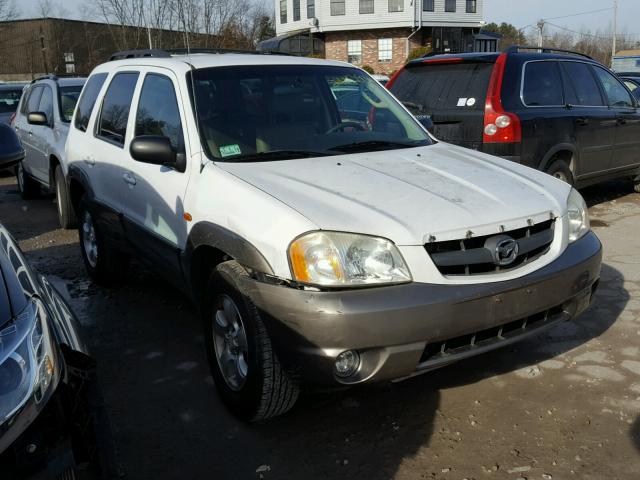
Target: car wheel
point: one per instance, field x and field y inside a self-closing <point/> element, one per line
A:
<point x="636" y="184"/>
<point x="66" y="213"/>
<point x="560" y="170"/>
<point x="247" y="373"/>
<point x="27" y="186"/>
<point x="104" y="265"/>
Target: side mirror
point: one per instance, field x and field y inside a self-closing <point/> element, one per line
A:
<point x="37" y="118"/>
<point x="156" y="150"/>
<point x="426" y="122"/>
<point x="11" y="151"/>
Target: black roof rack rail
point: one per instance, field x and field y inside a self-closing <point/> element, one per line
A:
<point x="157" y="53"/>
<point x="55" y="77"/>
<point x="517" y="48"/>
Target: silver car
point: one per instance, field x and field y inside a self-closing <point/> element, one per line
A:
<point x="42" y="123"/>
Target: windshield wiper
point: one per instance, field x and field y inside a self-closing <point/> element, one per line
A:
<point x="372" y="145"/>
<point x="277" y="155"/>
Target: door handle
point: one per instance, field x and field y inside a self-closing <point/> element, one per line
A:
<point x="129" y="179"/>
<point x="90" y="161"/>
<point x="582" y="121"/>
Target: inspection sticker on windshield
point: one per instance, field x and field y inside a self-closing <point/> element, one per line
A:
<point x="230" y="150"/>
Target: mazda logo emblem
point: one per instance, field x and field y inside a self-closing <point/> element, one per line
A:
<point x="503" y="249"/>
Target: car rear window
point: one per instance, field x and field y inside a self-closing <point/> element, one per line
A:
<point x="444" y="86"/>
<point x="9" y="100"/>
<point x="542" y="84"/>
<point x="88" y="100"/>
<point x="68" y="99"/>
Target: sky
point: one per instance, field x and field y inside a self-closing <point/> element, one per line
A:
<point x="518" y="12"/>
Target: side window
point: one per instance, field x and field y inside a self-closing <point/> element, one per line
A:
<point x="582" y="87"/>
<point x="46" y="103"/>
<point x="617" y="95"/>
<point x="25" y="100"/>
<point x="33" y="103"/>
<point x="159" y="118"/>
<point x="112" y="124"/>
<point x="542" y="84"/>
<point x="88" y="100"/>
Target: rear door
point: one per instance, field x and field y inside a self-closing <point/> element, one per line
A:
<point x="452" y="92"/>
<point x="594" y="124"/>
<point x="626" y="152"/>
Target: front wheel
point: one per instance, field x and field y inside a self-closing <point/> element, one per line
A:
<point x="636" y="184"/>
<point x="104" y="265"/>
<point x="66" y="213"/>
<point x="248" y="375"/>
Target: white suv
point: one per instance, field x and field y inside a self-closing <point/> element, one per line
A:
<point x="42" y="123"/>
<point x="322" y="245"/>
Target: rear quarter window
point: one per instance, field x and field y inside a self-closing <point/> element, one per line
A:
<point x="542" y="85"/>
<point x="444" y="86"/>
<point x="88" y="100"/>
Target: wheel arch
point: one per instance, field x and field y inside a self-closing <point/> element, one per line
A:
<point x="564" y="151"/>
<point x="78" y="186"/>
<point x="209" y="245"/>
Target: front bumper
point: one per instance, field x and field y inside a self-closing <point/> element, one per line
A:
<point x="398" y="330"/>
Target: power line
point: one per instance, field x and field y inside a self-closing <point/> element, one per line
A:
<point x="585" y="34"/>
<point x="580" y="14"/>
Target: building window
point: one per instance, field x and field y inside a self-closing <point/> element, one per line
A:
<point x="366" y="6"/>
<point x="70" y="62"/>
<point x="354" y="51"/>
<point x="396" y="5"/>
<point x="385" y="50"/>
<point x="428" y="6"/>
<point x="449" y="5"/>
<point x="296" y="10"/>
<point x="311" y="8"/>
<point x="337" y="7"/>
<point x="472" y="6"/>
<point x="283" y="11"/>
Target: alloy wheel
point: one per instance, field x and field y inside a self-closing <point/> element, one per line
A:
<point x="230" y="343"/>
<point x="89" y="242"/>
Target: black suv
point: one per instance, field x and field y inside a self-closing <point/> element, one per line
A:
<point x="558" y="111"/>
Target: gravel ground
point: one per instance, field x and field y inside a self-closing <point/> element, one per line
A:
<point x="561" y="406"/>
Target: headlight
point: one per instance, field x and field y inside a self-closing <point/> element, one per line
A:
<point x="578" y="216"/>
<point x="335" y="259"/>
<point x="26" y="360"/>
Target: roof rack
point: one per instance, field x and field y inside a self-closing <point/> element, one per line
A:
<point x="517" y="48"/>
<point x="157" y="53"/>
<point x="55" y="77"/>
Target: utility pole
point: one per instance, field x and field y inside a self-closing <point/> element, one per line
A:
<point x="541" y="32"/>
<point x="615" y="30"/>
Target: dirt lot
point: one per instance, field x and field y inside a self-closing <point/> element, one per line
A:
<point x="564" y="405"/>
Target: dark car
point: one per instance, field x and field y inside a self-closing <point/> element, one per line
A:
<point x="557" y="111"/>
<point x="10" y="94"/>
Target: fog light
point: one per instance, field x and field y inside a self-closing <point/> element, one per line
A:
<point x="347" y="363"/>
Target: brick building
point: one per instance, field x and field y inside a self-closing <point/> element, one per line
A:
<point x="377" y="33"/>
<point x="33" y="47"/>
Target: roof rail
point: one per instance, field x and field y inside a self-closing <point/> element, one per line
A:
<point x="55" y="77"/>
<point x="185" y="51"/>
<point x="517" y="48"/>
<point x="139" y="54"/>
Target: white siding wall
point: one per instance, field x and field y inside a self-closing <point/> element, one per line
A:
<point x="380" y="19"/>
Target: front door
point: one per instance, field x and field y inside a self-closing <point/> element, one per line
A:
<point x="24" y="130"/>
<point x="594" y="124"/>
<point x="41" y="137"/>
<point x="154" y="214"/>
<point x="626" y="153"/>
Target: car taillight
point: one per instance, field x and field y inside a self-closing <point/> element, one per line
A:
<point x="499" y="126"/>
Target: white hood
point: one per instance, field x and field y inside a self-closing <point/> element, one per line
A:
<point x="410" y="195"/>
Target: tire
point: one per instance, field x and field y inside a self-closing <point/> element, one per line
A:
<point x="636" y="184"/>
<point x="27" y="186"/>
<point x="66" y="213"/>
<point x="560" y="170"/>
<point x="104" y="265"/>
<point x="267" y="389"/>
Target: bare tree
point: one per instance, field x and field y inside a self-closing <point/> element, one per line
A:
<point x="8" y="10"/>
<point x="49" y="8"/>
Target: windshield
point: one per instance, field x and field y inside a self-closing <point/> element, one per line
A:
<point x="68" y="99"/>
<point x="9" y="99"/>
<point x="288" y="111"/>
